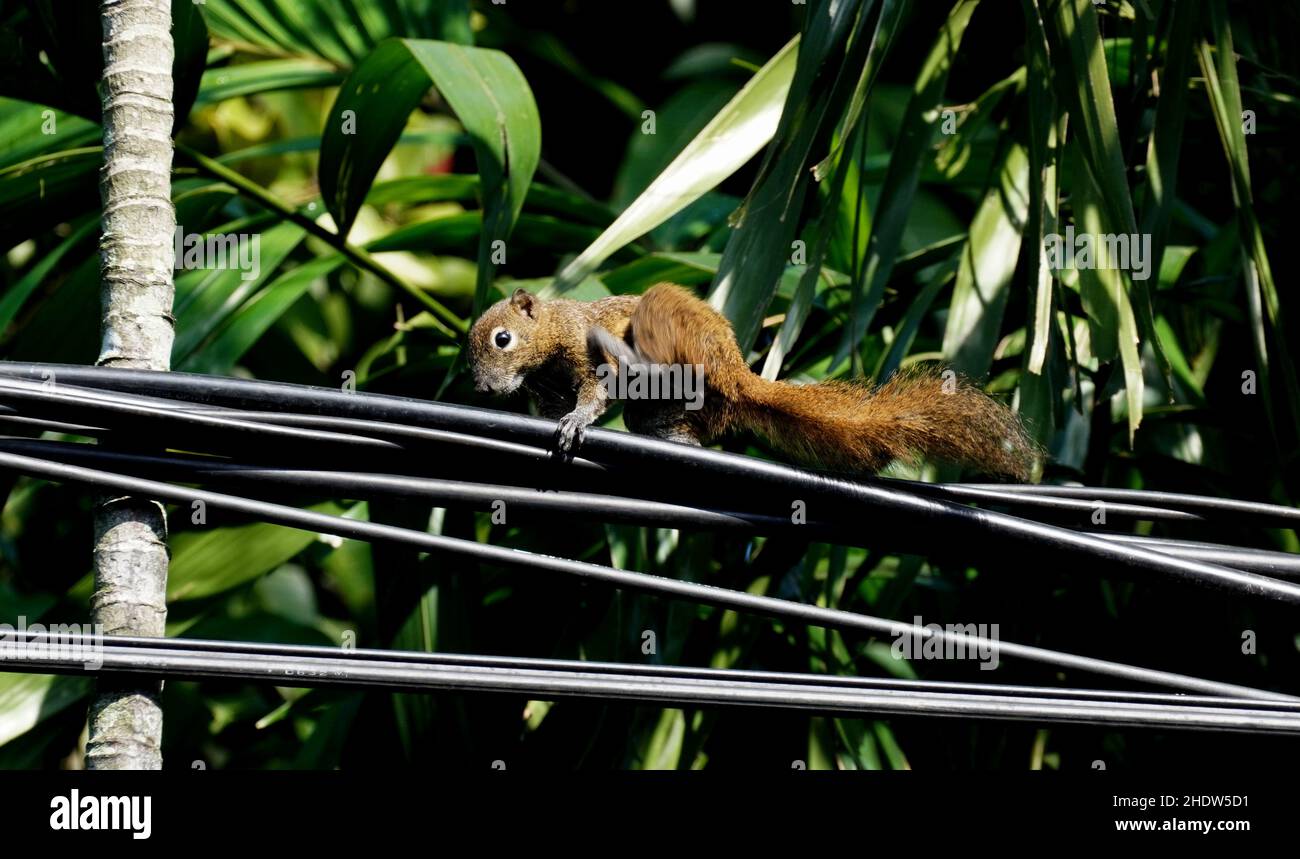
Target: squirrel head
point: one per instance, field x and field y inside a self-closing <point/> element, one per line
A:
<point x="503" y="344"/>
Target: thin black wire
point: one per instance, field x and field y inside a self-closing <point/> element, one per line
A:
<point x="1083" y="507"/>
<point x="553" y="503"/>
<point x="297" y="651"/>
<point x="342" y="671"/>
<point x="1274" y="515"/>
<point x="136" y="421"/>
<point x="1034" y="502"/>
<point x="217" y="430"/>
<point x="1261" y="561"/>
<point x="978" y="530"/>
<point x="398" y="433"/>
<point x="402" y="433"/>
<point x="392" y="431"/>
<point x="9" y="417"/>
<point x="332" y="391"/>
<point x="629" y="580"/>
<point x="197" y="388"/>
<point x="643" y="511"/>
<point x="357" y="485"/>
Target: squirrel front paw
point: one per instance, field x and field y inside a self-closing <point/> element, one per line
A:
<point x="570" y="432"/>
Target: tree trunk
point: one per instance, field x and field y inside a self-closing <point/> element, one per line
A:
<point x="136" y="259"/>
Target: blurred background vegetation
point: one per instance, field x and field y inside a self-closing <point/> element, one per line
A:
<point x="949" y="138"/>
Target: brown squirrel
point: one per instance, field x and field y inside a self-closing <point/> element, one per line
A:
<point x="560" y="351"/>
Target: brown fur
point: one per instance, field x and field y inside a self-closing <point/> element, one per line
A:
<point x="839" y="425"/>
<point x="551" y="360"/>
<point x="843" y="425"/>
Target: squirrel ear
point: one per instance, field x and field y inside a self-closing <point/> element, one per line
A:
<point x="525" y="301"/>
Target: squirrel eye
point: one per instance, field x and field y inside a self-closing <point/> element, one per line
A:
<point x="502" y="339"/>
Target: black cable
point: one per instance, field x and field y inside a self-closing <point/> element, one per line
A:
<point x="133" y="420"/>
<point x="979" y="531"/>
<point x="375" y="430"/>
<point x="354" y="485"/>
<point x="1262" y="561"/>
<point x="962" y="493"/>
<point x="220" y="431"/>
<point x="335" y="670"/>
<point x="554" y="503"/>
<point x="197" y="388"/>
<point x="1083" y="508"/>
<point x="303" y="651"/>
<point x="401" y="433"/>
<point x="1257" y="512"/>
<point x="634" y="581"/>
<point x="85" y="398"/>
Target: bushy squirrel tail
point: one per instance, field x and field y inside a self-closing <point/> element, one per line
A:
<point x="917" y="413"/>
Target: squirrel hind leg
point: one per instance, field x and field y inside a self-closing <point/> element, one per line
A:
<point x="662" y="419"/>
<point x="602" y="347"/>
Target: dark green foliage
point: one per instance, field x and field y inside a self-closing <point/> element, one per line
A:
<point x="948" y="139"/>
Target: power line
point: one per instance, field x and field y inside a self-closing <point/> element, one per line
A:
<point x="625" y="579"/>
<point x="544" y="502"/>
<point x="328" y="667"/>
<point x="981" y="531"/>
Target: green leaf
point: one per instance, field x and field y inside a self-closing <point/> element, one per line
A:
<point x="265" y="76"/>
<point x="1111" y="319"/>
<point x="729" y="140"/>
<point x="911" y="151"/>
<point x="1166" y="142"/>
<point x="1220" y="72"/>
<point x="420" y="190"/>
<point x="891" y="16"/>
<point x="905" y="333"/>
<point x="58" y="329"/>
<point x="60" y="57"/>
<point x="206" y="563"/>
<point x="455" y="233"/>
<point x="676" y="122"/>
<point x="205" y="299"/>
<point x="247" y="325"/>
<point x="760" y="246"/>
<point x="190" y="47"/>
<point x="843" y="156"/>
<point x="16" y="295"/>
<point x="797" y="313"/>
<point x="687" y="269"/>
<point x="289" y="26"/>
<point x="340" y="31"/>
<point x="1086" y="89"/>
<point x="1045" y="142"/>
<point x="312" y="144"/>
<point x="26" y="700"/>
<point x="46" y="190"/>
<point x="988" y="263"/>
<point x="1183" y="371"/>
<point x="488" y="94"/>
<point x="28" y="130"/>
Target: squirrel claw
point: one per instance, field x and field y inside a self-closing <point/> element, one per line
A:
<point x="569" y="433"/>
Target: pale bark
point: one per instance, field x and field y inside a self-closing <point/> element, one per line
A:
<point x="136" y="258"/>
